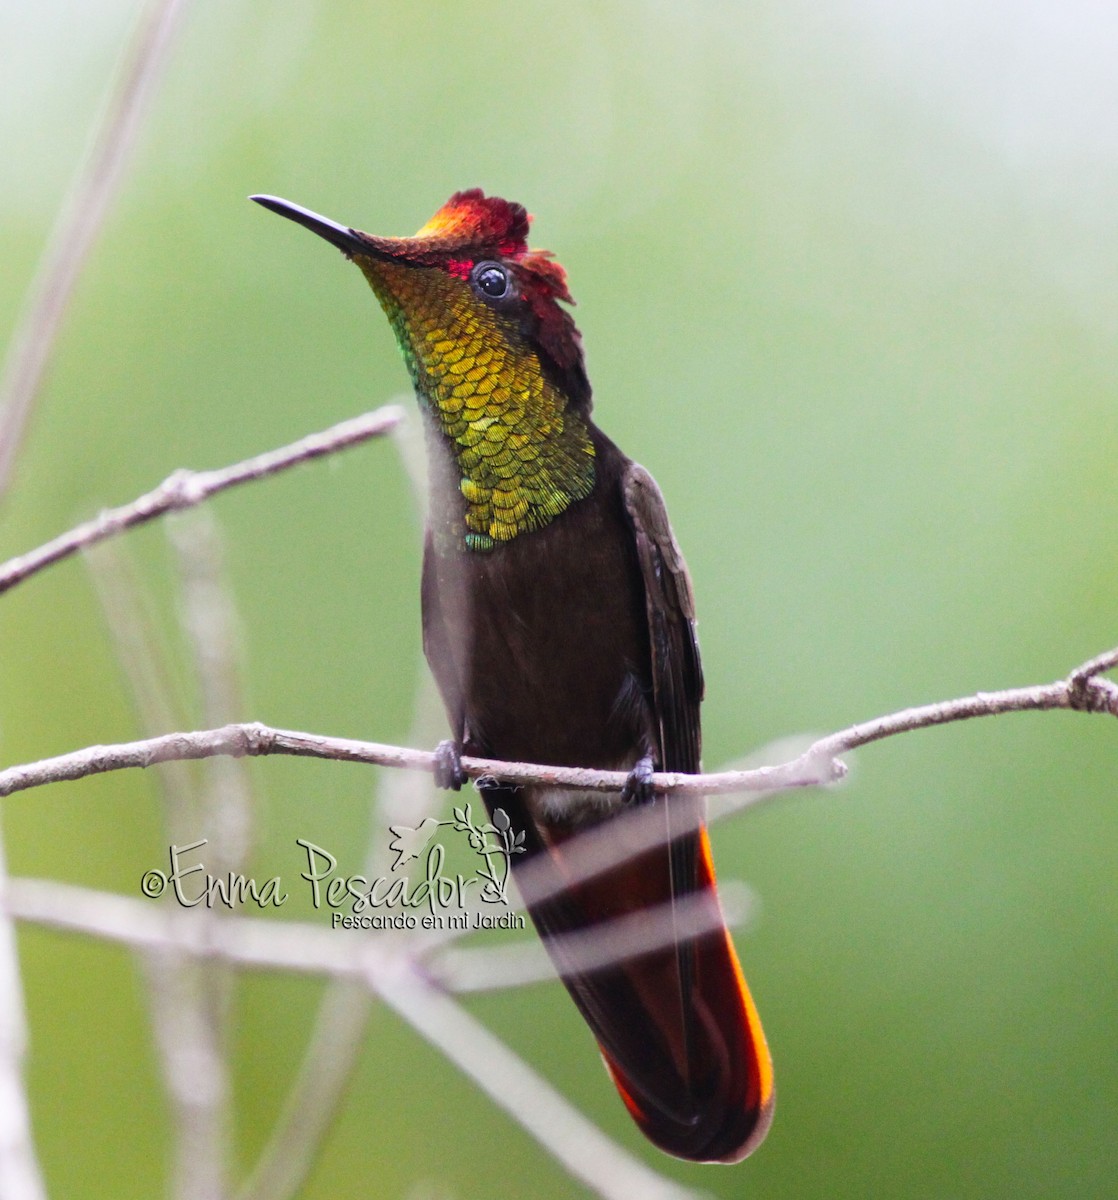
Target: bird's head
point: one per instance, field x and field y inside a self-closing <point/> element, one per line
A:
<point x="467" y="288"/>
<point x="495" y="357"/>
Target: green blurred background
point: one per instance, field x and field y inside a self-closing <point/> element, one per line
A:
<point x="847" y="280"/>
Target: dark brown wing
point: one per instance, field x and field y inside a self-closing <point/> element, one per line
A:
<point x="677" y="673"/>
<point x="721" y="1103"/>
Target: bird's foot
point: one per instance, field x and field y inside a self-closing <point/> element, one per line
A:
<point x="638" y="787"/>
<point x="448" y="766"/>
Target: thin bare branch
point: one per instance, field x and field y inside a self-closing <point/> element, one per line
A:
<point x="184" y="489"/>
<point x="1082" y="693"/>
<point x="1090" y="693"/>
<point x="817" y="765"/>
<point x="79" y="222"/>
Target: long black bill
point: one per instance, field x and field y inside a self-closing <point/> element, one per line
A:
<point x="348" y="241"/>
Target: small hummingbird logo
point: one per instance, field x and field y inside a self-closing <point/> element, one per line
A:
<point x="410" y="843"/>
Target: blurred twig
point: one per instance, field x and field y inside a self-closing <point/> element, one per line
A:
<point x="581" y="1147"/>
<point x="329" y="1059"/>
<point x="188" y="1009"/>
<point x="20" y="1178"/>
<point x="184" y="489"/>
<point x="185" y="1011"/>
<point x="192" y="1001"/>
<point x="494" y="968"/>
<point x="245" y="941"/>
<point x="146" y="668"/>
<point x="333" y="1049"/>
<point x="189" y="999"/>
<point x="79" y="222"/>
<point x="332" y="1052"/>
<point x="208" y="617"/>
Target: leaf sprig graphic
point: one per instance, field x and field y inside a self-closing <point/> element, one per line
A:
<point x="497" y="857"/>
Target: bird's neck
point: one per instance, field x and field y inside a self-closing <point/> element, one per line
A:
<point x="519" y="453"/>
<point x="499" y="471"/>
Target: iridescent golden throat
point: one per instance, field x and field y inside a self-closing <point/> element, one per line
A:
<point x="524" y="453"/>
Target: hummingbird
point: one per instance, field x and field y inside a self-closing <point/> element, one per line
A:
<point x="410" y="843"/>
<point x="559" y="623"/>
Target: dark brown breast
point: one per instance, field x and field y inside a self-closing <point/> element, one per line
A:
<point x="540" y="646"/>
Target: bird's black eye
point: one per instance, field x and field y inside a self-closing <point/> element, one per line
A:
<point x="492" y="280"/>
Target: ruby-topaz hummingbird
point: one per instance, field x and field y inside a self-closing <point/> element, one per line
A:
<point x="558" y="619"/>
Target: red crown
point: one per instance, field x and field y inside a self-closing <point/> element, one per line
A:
<point x="472" y="221"/>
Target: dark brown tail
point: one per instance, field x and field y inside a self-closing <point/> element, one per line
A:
<point x="675" y="1023"/>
